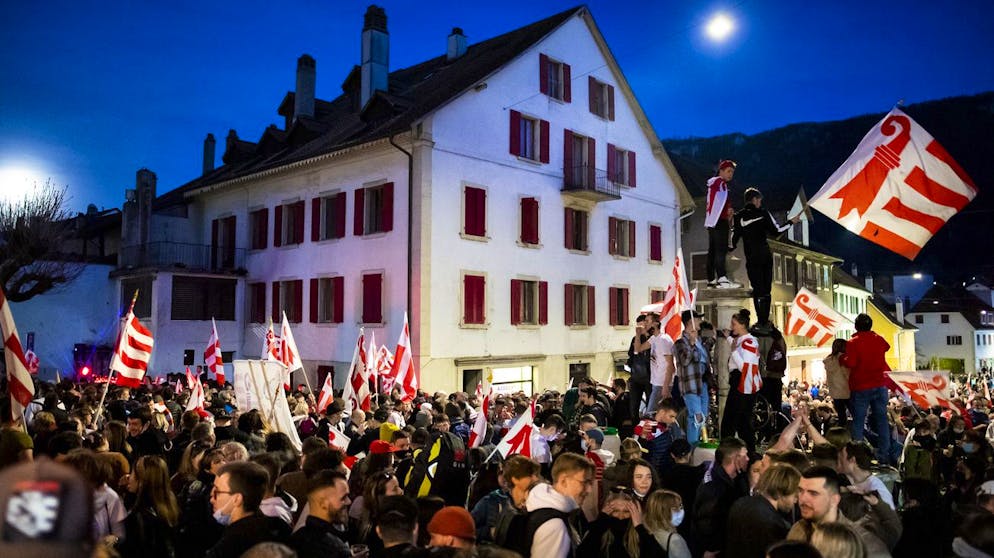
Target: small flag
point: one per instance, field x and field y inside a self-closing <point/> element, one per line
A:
<point x="337" y="439"/>
<point x="811" y="317"/>
<point x="403" y="370"/>
<point x="327" y="394"/>
<point x="357" y="369"/>
<point x="926" y="388"/>
<point x="518" y="440"/>
<point x="212" y="356"/>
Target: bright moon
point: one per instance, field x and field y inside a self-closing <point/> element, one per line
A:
<point x="16" y="182"/>
<point x="720" y="27"/>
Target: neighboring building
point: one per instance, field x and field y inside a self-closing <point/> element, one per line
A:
<point x="955" y="330"/>
<point x="850" y="299"/>
<point x="892" y="326"/>
<point x="544" y="214"/>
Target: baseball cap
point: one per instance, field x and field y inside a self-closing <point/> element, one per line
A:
<point x="47" y="511"/>
<point x="454" y="521"/>
<point x="596" y="435"/>
<point x="379" y="447"/>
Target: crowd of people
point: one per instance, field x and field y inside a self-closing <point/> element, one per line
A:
<point x="619" y="470"/>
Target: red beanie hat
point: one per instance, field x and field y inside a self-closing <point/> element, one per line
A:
<point x="454" y="521"/>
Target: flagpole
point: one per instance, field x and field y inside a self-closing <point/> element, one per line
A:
<point x="348" y="379"/>
<point x="110" y="373"/>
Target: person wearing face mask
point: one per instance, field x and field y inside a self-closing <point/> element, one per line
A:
<point x="758" y="521"/>
<point x="238" y="490"/>
<point x="664" y="513"/>
<point x="619" y="531"/>
<point x="322" y="535"/>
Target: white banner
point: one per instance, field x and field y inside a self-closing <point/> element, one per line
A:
<point x="259" y="385"/>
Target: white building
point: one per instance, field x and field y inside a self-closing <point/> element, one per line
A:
<point x="511" y="195"/>
<point x="955" y="330"/>
<point x="849" y="299"/>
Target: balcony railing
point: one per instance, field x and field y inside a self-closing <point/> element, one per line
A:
<point x="587" y="182"/>
<point x="200" y="257"/>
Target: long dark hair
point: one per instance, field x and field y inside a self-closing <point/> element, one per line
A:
<point x="838" y="347"/>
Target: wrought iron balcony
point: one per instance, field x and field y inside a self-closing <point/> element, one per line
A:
<point x="586" y="182"/>
<point x="195" y="257"/>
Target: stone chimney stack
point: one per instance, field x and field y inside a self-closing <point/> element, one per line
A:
<point x="145" y="195"/>
<point x="869" y="282"/>
<point x="457" y="44"/>
<point x="899" y="309"/>
<point x="209" y="145"/>
<point x="375" y="53"/>
<point x="855" y="270"/>
<point x="303" y="99"/>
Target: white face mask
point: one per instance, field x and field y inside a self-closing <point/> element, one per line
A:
<point x="677" y="518"/>
<point x="222" y="517"/>
<point x="583" y="445"/>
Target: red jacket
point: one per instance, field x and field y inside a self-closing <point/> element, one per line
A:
<point x="864" y="357"/>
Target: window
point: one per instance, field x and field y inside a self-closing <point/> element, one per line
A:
<point x="328" y="217"/>
<point x="554" y="78"/>
<point x="656" y="295"/>
<point x="790" y="269"/>
<point x="620" y="166"/>
<point x="778" y="315"/>
<point x="919" y="319"/>
<point x="327" y="300"/>
<point x="529" y="302"/>
<point x="601" y="98"/>
<point x="818" y="283"/>
<point x="579" y="154"/>
<point x="529" y="221"/>
<point x="826" y="276"/>
<point x="777" y="269"/>
<point x="944" y="318"/>
<point x="621" y="237"/>
<point x="580" y="305"/>
<point x="655" y="243"/>
<point x="474" y="292"/>
<point x="288" y="296"/>
<point x="372" y="298"/>
<point x="201" y="298"/>
<point x="986" y="318"/>
<point x="576" y="229"/>
<point x="373" y="210"/>
<point x="954" y="340"/>
<point x="256" y="302"/>
<point x="223" y="243"/>
<point x="618" y="306"/>
<point x="288" y="224"/>
<point x="474" y="211"/>
<point x="143" y="304"/>
<point x="529" y="137"/>
<point x="259" y="228"/>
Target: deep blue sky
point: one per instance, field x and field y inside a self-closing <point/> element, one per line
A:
<point x="92" y="91"/>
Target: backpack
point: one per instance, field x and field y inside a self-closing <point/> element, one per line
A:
<point x="515" y="529"/>
<point x="918" y="464"/>
<point x="444" y="457"/>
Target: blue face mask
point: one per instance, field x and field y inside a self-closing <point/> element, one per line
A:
<point x="969" y="447"/>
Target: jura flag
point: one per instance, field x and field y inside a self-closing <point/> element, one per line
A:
<point x="289" y="355"/>
<point x="518" y="440"/>
<point x="327" y="394"/>
<point x="404" y="373"/>
<point x="338" y="440"/>
<point x="20" y="386"/>
<point x="271" y="345"/>
<point x="926" y="388"/>
<point x="212" y="356"/>
<point x="196" y="392"/>
<point x="898" y="188"/>
<point x="678" y="298"/>
<point x="810" y="317"/>
<point x="133" y="353"/>
<point x="357" y="370"/>
<point x="479" y="431"/>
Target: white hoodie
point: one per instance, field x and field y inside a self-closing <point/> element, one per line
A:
<point x="552" y="539"/>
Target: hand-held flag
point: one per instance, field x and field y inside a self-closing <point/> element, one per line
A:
<point x="212" y="356"/>
<point x="20" y="386"/>
<point x="405" y="374"/>
<point x="518" y="440"/>
<point x="811" y="317"/>
<point x="926" y="388"/>
<point x="327" y="394"/>
<point x="134" y="351"/>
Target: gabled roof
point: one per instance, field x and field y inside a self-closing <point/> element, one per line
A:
<point x="840" y="277"/>
<point x="954" y="300"/>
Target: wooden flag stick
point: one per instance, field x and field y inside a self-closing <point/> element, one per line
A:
<point x="110" y="373"/>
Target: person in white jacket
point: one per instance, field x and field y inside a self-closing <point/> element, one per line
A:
<point x="572" y="479"/>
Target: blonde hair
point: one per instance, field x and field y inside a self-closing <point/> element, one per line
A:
<point x="838" y="541"/>
<point x="631" y="542"/>
<point x="659" y="510"/>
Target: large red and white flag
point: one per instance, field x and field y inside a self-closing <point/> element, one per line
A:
<point x="518" y="440"/>
<point x="271" y="345"/>
<point x="20" y="386"/>
<point x="384" y="366"/>
<point x="327" y="394"/>
<point x="133" y="353"/>
<point x="357" y="370"/>
<point x="811" y="317"/>
<point x="289" y="355"/>
<point x="479" y="431"/>
<point x="898" y="188"/>
<point x="926" y="388"/>
<point x="196" y="392"/>
<point x="403" y="371"/>
<point x="678" y="298"/>
<point x="212" y="356"/>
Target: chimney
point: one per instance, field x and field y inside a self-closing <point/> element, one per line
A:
<point x="869" y="282"/>
<point x="457" y="44"/>
<point x="145" y="186"/>
<point x="209" y="145"/>
<point x="899" y="309"/>
<point x="303" y="99"/>
<point x="855" y="270"/>
<point x="375" y="53"/>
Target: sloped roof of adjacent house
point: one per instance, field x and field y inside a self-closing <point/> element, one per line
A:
<point x="887" y="310"/>
<point x="942" y="299"/>
<point x="840" y="277"/>
<point x="413" y="93"/>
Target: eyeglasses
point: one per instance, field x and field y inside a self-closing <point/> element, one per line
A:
<point x="215" y="491"/>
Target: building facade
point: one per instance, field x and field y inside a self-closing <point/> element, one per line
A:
<point x="955" y="330"/>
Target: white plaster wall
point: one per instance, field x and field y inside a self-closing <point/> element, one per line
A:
<point x="930" y="340"/>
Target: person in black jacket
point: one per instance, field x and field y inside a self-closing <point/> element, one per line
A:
<point x="639" y="386"/>
<point x="757" y="521"/>
<point x="238" y="490"/>
<point x="715" y="498"/>
<point x="618" y="531"/>
<point x="323" y="534"/>
<point x="396" y="525"/>
<point x="753" y="224"/>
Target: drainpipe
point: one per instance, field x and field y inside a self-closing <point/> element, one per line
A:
<point x="410" y="220"/>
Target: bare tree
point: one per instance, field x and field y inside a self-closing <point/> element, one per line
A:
<point x="34" y="232"/>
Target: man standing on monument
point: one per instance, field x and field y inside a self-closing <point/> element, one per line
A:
<point x="716" y="221"/>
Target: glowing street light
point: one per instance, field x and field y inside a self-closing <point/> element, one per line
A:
<point x="719" y="27"/>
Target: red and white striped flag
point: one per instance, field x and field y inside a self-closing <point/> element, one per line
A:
<point x="898" y="188"/>
<point x="678" y="298"/>
<point x="384" y="367"/>
<point x="133" y="353"/>
<point x="811" y="317"/>
<point x="212" y="356"/>
<point x="518" y="440"/>
<point x="196" y="392"/>
<point x="326" y="395"/>
<point x="403" y="371"/>
<point x="289" y="355"/>
<point x="271" y="345"/>
<point x="357" y="370"/>
<point x="19" y="384"/>
<point x="479" y="431"/>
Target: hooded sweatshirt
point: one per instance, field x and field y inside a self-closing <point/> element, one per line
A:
<point x="553" y="539"/>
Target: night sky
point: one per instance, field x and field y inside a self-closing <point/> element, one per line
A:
<point x="92" y="91"/>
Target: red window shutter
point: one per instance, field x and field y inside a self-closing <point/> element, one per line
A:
<point x="631" y="239"/>
<point x="591" y="306"/>
<point x="612" y="304"/>
<point x="543" y="302"/>
<point x="569" y="224"/>
<point x="473" y="299"/>
<point x="215" y="228"/>
<point x="655" y="243"/>
<point x="529" y="220"/>
<point x="568" y="304"/>
<point x="612" y="168"/>
<point x="314" y="301"/>
<point x="568" y="156"/>
<point x="624" y="303"/>
<point x="515" y="133"/>
<point x="339" y="201"/>
<point x="543" y="74"/>
<point x="360" y="207"/>
<point x="387" y="217"/>
<point x="631" y="169"/>
<point x="567" y="84"/>
<point x="515" y="301"/>
<point x="612" y="236"/>
<point x="592" y="94"/>
<point x="610" y="102"/>
<point x="298" y="222"/>
<point x="543" y="149"/>
<point x="261" y="222"/>
<point x="316" y="219"/>
<point x="372" y="300"/>
<point x="276" y="302"/>
<point x="257" y="312"/>
<point x="278" y="225"/>
<point x="338" y="291"/>
<point x="229" y="249"/>
<point x="475" y="212"/>
<point x="591" y="162"/>
<point x="297" y="315"/>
